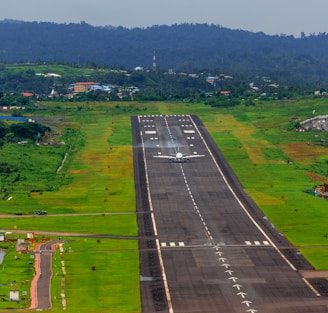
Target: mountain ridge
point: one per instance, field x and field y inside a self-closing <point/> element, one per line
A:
<point x="182" y="47"/>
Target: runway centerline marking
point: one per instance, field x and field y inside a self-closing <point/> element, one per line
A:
<point x="208" y="233"/>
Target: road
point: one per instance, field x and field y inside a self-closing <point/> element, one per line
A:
<point x="44" y="273"/>
<point x="208" y="247"/>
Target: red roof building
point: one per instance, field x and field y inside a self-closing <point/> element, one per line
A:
<point x="225" y="92"/>
<point x="83" y="86"/>
<point x="27" y="94"/>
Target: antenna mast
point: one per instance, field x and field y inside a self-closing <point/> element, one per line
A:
<point x="154" y="62"/>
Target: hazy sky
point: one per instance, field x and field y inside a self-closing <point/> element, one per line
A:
<point x="290" y="17"/>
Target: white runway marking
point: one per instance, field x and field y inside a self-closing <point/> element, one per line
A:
<point x="222" y="261"/>
<point x="257" y="243"/>
<point x="172" y="244"/>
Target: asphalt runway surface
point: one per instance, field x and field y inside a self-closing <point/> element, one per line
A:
<point x="43" y="286"/>
<point x="204" y="245"/>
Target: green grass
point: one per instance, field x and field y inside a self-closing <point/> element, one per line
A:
<point x="117" y="224"/>
<point x="21" y="173"/>
<point x="111" y="287"/>
<point x="257" y="140"/>
<point x="63" y="70"/>
<point x="318" y="256"/>
<point x="16" y="273"/>
<point x="108" y="288"/>
<point x="97" y="177"/>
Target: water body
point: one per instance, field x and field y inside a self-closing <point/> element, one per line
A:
<point x="2" y="255"/>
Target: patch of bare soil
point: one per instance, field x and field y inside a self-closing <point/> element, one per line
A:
<point x="316" y="177"/>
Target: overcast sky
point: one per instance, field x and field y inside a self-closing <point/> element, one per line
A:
<point x="290" y="17"/>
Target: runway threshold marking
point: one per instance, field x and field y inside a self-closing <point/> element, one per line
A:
<point x="173" y="244"/>
<point x="257" y="243"/>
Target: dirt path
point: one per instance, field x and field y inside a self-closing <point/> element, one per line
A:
<point x="35" y="279"/>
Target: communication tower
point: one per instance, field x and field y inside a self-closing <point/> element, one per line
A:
<point x="154" y="62"/>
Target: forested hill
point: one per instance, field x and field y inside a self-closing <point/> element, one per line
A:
<point x="184" y="47"/>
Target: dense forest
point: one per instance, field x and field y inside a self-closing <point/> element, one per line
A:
<point x="183" y="47"/>
<point x="16" y="132"/>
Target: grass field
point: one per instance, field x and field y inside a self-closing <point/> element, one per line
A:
<point x="17" y="272"/>
<point x="97" y="177"/>
<point x="63" y="70"/>
<point x="112" y="286"/>
<point x="283" y="164"/>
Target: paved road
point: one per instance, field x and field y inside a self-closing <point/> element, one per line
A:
<point x="43" y="286"/>
<point x="209" y="248"/>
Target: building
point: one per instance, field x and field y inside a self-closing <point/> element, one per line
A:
<point x="83" y="86"/>
<point x="319" y="122"/>
<point x="225" y="93"/>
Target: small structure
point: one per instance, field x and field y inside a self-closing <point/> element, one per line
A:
<point x="2" y="236"/>
<point x="321" y="191"/>
<point x="22" y="246"/>
<point x="27" y="94"/>
<point x="53" y="92"/>
<point x="225" y="93"/>
<point x="319" y="122"/>
<point x="83" y="86"/>
<point x="211" y="79"/>
<point x="14" y="295"/>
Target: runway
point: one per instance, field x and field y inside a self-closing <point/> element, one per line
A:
<point x="206" y="247"/>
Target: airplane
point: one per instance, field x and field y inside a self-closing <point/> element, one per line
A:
<point x="179" y="157"/>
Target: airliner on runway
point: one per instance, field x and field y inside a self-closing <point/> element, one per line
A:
<point x="179" y="157"/>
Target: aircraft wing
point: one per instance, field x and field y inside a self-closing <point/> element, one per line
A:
<point x="194" y="156"/>
<point x="182" y="157"/>
<point x="164" y="156"/>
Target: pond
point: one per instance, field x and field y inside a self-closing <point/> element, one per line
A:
<point x="2" y="255"/>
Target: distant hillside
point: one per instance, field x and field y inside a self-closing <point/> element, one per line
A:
<point x="186" y="47"/>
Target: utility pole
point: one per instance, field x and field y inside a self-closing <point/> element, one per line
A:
<point x="154" y="62"/>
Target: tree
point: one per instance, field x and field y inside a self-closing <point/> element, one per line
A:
<point x="3" y="129"/>
<point x="28" y="130"/>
